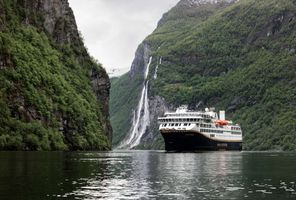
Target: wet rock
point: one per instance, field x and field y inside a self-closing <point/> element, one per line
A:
<point x="141" y="58"/>
<point x="101" y="86"/>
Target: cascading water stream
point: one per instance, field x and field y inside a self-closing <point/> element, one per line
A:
<point x="156" y="68"/>
<point x="141" y="117"/>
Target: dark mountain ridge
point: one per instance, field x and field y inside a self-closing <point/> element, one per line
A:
<point x="53" y="95"/>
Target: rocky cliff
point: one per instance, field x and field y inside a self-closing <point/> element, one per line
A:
<point x="232" y="55"/>
<point x="54" y="96"/>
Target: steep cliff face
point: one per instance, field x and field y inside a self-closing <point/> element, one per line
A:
<point x="127" y="94"/>
<point x="233" y="55"/>
<point x="126" y="91"/>
<point x="53" y="94"/>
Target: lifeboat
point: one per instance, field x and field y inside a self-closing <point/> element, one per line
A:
<point x="222" y="122"/>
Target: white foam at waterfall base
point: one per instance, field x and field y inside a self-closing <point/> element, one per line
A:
<point x="141" y="117"/>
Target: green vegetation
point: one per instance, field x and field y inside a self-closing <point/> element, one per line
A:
<point x="123" y="99"/>
<point x="240" y="58"/>
<point x="46" y="98"/>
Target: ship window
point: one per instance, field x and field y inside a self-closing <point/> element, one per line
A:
<point x="189" y="124"/>
<point x="165" y="125"/>
<point x="185" y="124"/>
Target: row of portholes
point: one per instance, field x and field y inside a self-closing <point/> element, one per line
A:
<point x="176" y="124"/>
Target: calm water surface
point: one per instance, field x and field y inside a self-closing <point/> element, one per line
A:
<point x="147" y="175"/>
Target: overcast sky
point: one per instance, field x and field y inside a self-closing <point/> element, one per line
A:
<point x="112" y="29"/>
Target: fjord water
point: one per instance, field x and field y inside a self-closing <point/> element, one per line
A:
<point x="147" y="175"/>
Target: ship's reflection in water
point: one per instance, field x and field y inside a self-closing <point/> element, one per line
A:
<point x="147" y="175"/>
<point x="208" y="175"/>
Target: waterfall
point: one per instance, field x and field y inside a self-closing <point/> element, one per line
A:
<point x="156" y="68"/>
<point x="155" y="73"/>
<point x="140" y="118"/>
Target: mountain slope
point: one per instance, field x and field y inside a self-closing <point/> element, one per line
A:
<point x="126" y="91"/>
<point x="240" y="58"/>
<point x="53" y="95"/>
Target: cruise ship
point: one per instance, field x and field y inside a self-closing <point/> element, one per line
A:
<point x="186" y="130"/>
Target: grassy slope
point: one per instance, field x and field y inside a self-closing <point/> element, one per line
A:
<point x="242" y="60"/>
<point x="40" y="83"/>
<point x="124" y="98"/>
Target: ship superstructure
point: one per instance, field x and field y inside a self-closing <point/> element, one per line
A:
<point x="199" y="130"/>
